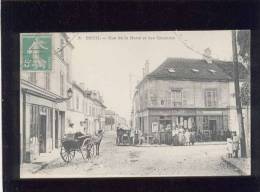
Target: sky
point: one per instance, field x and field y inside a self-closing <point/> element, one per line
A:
<point x="104" y="61"/>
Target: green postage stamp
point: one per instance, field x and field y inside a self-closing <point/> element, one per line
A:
<point x="36" y="52"/>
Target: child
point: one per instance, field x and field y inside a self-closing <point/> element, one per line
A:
<point x="235" y="144"/>
<point x="229" y="148"/>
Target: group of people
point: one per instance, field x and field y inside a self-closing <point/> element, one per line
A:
<point x="182" y="136"/>
<point x="233" y="145"/>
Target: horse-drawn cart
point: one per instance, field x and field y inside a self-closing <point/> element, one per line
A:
<point x="123" y="137"/>
<point x="76" y="142"/>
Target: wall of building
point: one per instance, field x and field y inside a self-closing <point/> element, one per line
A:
<point x="193" y="93"/>
<point x="149" y="109"/>
<point x="54" y="87"/>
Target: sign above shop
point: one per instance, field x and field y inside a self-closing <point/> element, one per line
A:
<point x="154" y="127"/>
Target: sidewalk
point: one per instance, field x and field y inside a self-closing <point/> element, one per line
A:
<point x="195" y="144"/>
<point x="243" y="165"/>
<point x="41" y="162"/>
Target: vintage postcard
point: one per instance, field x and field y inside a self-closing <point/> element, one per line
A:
<point x="135" y="104"/>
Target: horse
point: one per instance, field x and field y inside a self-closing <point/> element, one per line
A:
<point x="97" y="140"/>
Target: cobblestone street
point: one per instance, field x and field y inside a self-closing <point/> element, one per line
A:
<point x="198" y="160"/>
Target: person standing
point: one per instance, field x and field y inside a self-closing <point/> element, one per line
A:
<point x="235" y="142"/>
<point x="174" y="137"/>
<point x="187" y="137"/>
<point x="229" y="148"/>
<point x="140" y="137"/>
<point x="132" y="136"/>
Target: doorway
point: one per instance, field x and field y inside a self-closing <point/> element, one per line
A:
<point x="42" y="140"/>
<point x="56" y="128"/>
<point x="212" y="128"/>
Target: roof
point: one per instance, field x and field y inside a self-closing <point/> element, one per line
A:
<point x="227" y="67"/>
<point x="189" y="69"/>
<point x="74" y="84"/>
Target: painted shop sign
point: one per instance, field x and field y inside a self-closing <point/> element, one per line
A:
<point x="173" y="112"/>
<point x="155" y="127"/>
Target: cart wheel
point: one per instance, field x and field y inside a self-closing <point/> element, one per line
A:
<point x="67" y="155"/>
<point x="91" y="150"/>
<point x="125" y="140"/>
<point x="88" y="151"/>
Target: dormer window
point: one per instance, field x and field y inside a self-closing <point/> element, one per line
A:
<point x="195" y="70"/>
<point x="212" y="71"/>
<point x="171" y="70"/>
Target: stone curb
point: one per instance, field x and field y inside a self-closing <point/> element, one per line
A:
<point x="234" y="166"/>
<point x="164" y="145"/>
<point x="43" y="165"/>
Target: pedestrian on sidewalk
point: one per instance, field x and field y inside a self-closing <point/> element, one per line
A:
<point x="187" y="137"/>
<point x="174" y="137"/>
<point x="70" y="129"/>
<point x="229" y="147"/>
<point x="140" y="137"/>
<point x="235" y="145"/>
<point x="132" y="136"/>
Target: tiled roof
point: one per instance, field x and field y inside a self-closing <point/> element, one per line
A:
<point x="228" y="69"/>
<point x="192" y="69"/>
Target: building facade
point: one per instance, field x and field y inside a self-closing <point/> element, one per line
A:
<point x="42" y="116"/>
<point x="190" y="93"/>
<point x="94" y="112"/>
<point x="114" y="120"/>
<point x="75" y="109"/>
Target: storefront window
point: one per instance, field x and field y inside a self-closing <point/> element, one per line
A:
<point x="34" y="125"/>
<point x="205" y="123"/>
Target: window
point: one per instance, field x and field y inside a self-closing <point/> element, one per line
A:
<point x="61" y="84"/>
<point x="47" y="81"/>
<point x="171" y="70"/>
<point x="211" y="97"/>
<point x="154" y="100"/>
<point x="32" y="77"/>
<point x="62" y="49"/>
<point x="176" y="97"/>
<point x="162" y="102"/>
<point x="212" y="71"/>
<point x="195" y="70"/>
<point x="77" y="102"/>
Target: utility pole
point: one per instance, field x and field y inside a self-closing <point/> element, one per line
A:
<point x="237" y="93"/>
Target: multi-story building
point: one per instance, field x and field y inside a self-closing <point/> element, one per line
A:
<point x="42" y="115"/>
<point x="94" y="112"/>
<point x="75" y="108"/>
<point x="114" y="120"/>
<point x="196" y="94"/>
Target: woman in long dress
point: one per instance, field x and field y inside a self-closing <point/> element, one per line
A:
<point x="187" y="137"/>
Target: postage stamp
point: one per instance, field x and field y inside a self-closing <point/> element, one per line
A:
<point x="36" y="52"/>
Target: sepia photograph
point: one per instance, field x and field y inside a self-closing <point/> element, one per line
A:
<point x="135" y="104"/>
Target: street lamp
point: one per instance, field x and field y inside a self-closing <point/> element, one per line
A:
<point x="69" y="93"/>
<point x="69" y="96"/>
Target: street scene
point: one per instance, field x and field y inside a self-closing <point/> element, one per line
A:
<point x="135" y="104"/>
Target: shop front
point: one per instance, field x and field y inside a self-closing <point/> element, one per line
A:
<point x="208" y="125"/>
<point x="42" y="127"/>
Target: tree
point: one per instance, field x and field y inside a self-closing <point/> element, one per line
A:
<point x="243" y="42"/>
<point x="237" y="93"/>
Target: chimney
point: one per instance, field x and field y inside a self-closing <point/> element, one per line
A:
<point x="143" y="72"/>
<point x="207" y="55"/>
<point x="146" y="66"/>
